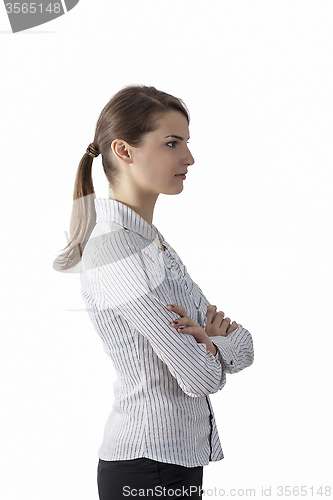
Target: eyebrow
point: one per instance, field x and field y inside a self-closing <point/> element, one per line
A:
<point x="176" y="137"/>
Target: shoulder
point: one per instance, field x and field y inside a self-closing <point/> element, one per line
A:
<point x="121" y="241"/>
<point x="122" y="249"/>
<point x="110" y="243"/>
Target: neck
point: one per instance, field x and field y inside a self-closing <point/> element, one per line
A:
<point x="142" y="205"/>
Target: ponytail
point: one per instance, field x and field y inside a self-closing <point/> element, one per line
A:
<point x="83" y="218"/>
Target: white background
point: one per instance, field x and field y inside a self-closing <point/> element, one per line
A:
<point x="257" y="78"/>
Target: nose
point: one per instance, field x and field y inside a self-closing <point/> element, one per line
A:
<point x="189" y="159"/>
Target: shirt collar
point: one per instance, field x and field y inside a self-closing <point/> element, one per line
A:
<point x="109" y="209"/>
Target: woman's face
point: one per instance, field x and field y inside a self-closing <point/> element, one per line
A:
<point x="156" y="163"/>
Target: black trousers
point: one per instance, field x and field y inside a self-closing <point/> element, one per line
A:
<point x="149" y="479"/>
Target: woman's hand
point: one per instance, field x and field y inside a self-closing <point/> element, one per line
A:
<point x="219" y="326"/>
<point x="192" y="327"/>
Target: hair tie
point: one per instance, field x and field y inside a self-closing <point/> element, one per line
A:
<point x="92" y="151"/>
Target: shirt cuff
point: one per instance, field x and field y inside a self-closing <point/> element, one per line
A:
<point x="235" y="350"/>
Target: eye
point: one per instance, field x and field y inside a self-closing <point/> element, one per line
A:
<point x="174" y="142"/>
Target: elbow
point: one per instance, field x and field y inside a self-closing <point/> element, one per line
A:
<point x="195" y="392"/>
<point x="198" y="392"/>
<point x="209" y="380"/>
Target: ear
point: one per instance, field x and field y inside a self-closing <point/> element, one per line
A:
<point x="122" y="150"/>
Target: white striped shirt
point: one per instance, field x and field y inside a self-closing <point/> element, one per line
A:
<point x="161" y="408"/>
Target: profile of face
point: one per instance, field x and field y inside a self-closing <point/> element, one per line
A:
<point x="152" y="168"/>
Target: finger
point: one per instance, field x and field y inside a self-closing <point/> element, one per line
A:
<point x="210" y="312"/>
<point x="192" y="330"/>
<point x="177" y="309"/>
<point x="211" y="309"/>
<point x="233" y="326"/>
<point x="184" y="320"/>
<point x="217" y="321"/>
<point x="225" y="323"/>
<point x="183" y="329"/>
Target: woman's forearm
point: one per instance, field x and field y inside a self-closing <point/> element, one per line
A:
<point x="209" y="345"/>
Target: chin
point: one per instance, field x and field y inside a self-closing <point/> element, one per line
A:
<point x="173" y="190"/>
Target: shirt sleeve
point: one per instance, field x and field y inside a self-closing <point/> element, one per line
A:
<point x="235" y="351"/>
<point x="135" y="288"/>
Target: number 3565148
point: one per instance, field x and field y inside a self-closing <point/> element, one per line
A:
<point x="32" y="8"/>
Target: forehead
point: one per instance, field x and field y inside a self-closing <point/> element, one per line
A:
<point x="172" y="122"/>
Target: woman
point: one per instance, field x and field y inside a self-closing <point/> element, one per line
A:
<point x="169" y="346"/>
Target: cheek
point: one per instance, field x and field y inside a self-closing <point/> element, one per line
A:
<point x="157" y="168"/>
<point x="160" y="168"/>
